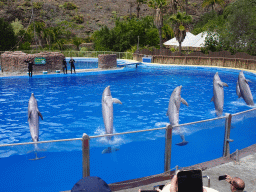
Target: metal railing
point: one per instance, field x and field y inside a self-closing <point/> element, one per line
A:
<point x="168" y="141"/>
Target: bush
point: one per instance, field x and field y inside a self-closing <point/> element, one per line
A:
<point x="69" y="6"/>
<point x="38" y="5"/>
<point x="26" y="3"/>
<point x="25" y="46"/>
<point x="79" y="19"/>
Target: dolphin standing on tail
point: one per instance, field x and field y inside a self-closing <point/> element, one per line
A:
<point x="107" y="113"/>
<point x="174" y="109"/>
<point x="243" y="89"/>
<point x="33" y="121"/>
<point x="218" y="94"/>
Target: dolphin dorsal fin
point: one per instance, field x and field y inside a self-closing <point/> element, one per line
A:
<point x="115" y="100"/>
<point x="212" y="99"/>
<point x="184" y="101"/>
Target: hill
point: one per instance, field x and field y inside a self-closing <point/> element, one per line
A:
<point x="90" y="15"/>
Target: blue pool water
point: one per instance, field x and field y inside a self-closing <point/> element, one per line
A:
<point x="71" y="106"/>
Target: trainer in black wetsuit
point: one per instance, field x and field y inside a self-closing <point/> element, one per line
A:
<point x="64" y="66"/>
<point x="72" y="65"/>
<point x="30" y="67"/>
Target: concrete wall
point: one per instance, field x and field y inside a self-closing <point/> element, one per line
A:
<point x="107" y="61"/>
<point x="15" y="61"/>
<point x="197" y="60"/>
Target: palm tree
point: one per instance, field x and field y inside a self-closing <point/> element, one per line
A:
<point x="139" y="2"/>
<point x="180" y="22"/>
<point x="158" y="21"/>
<point x="174" y="6"/>
<point x="212" y="3"/>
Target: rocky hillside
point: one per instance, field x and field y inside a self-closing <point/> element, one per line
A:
<point x="90" y="14"/>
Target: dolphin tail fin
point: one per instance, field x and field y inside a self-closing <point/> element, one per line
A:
<point x="212" y="99"/>
<point x="37" y="158"/>
<point x="184" y="142"/>
<point x="110" y="150"/>
<point x="35" y="151"/>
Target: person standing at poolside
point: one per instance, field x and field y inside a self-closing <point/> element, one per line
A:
<point x="72" y="64"/>
<point x="30" y="66"/>
<point x="64" y="66"/>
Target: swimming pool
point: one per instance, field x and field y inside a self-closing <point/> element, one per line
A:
<point x="71" y="106"/>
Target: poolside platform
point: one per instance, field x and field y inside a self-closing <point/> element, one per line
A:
<point x="243" y="167"/>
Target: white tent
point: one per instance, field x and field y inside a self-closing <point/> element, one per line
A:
<point x="201" y="40"/>
<point x="173" y="42"/>
<point x="189" y="41"/>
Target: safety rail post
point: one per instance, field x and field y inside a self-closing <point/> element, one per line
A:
<point x="227" y="140"/>
<point x="168" y="148"/>
<point x="86" y="155"/>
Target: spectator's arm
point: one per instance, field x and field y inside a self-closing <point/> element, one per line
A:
<point x="229" y="179"/>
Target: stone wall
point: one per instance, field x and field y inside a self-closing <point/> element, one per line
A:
<point x="107" y="61"/>
<point x="15" y="61"/>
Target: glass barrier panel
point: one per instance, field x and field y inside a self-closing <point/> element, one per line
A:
<point x="205" y="143"/>
<point x="128" y="156"/>
<point x="243" y="130"/>
<point x="59" y="168"/>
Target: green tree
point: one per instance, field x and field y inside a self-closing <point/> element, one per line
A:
<point x="125" y="35"/>
<point x="239" y="33"/>
<point x="17" y="26"/>
<point x="236" y="28"/>
<point x="180" y="22"/>
<point x="7" y="37"/>
<point x="39" y="29"/>
<point x="213" y="3"/>
<point x="158" y="5"/>
<point x="77" y="42"/>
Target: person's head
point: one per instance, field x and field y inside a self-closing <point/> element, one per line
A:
<point x="237" y="185"/>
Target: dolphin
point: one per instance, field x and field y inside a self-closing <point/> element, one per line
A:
<point x="33" y="120"/>
<point x="107" y="112"/>
<point x="243" y="89"/>
<point x="218" y="94"/>
<point x="174" y="109"/>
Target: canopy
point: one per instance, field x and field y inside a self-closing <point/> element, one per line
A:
<point x="189" y="41"/>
